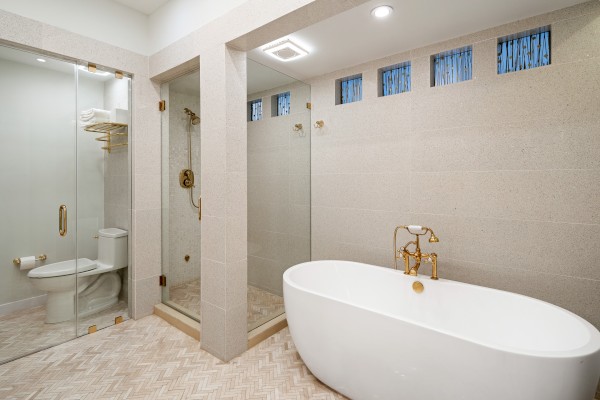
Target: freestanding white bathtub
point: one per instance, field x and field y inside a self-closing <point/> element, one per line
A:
<point x="363" y="331"/>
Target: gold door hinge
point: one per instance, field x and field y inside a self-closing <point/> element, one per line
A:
<point x="162" y="105"/>
<point x="118" y="75"/>
<point x="162" y="280"/>
<point x="309" y="106"/>
<point x="92" y="68"/>
<point x="118" y="320"/>
<point x="92" y="329"/>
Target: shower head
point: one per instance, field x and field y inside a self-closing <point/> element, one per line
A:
<point x="194" y="119"/>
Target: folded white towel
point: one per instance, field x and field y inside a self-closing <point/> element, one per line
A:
<point x="95" y="112"/>
<point x="94" y="116"/>
<point x="96" y="120"/>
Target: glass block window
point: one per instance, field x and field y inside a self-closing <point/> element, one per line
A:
<point x="350" y="89"/>
<point x="283" y="104"/>
<point x="255" y="110"/>
<point x="395" y="79"/>
<point x="524" y="52"/>
<point x="453" y="66"/>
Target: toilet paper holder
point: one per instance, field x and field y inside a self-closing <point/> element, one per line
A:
<point x="41" y="257"/>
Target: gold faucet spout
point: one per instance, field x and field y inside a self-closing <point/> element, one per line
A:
<point x="416" y="255"/>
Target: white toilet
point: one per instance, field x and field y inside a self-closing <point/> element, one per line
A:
<point x="98" y="283"/>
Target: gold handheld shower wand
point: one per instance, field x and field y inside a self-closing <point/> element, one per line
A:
<point x="186" y="176"/>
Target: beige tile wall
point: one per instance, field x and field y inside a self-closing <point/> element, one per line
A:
<point x="224" y="208"/>
<point x="504" y="168"/>
<point x="278" y="189"/>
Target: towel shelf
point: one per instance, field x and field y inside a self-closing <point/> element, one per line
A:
<point x="110" y="130"/>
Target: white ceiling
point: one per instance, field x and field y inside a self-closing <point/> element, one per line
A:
<point x="354" y="37"/>
<point x="144" y="6"/>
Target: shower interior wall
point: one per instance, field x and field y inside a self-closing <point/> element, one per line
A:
<point x="278" y="188"/>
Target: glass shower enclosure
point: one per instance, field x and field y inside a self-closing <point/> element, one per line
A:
<point x="278" y="190"/>
<point x="60" y="190"/>
<point x="279" y="134"/>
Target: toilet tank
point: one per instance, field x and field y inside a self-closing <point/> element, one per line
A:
<point x="112" y="247"/>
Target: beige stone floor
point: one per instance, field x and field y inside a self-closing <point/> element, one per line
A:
<point x="149" y="359"/>
<point x="25" y="331"/>
<point x="262" y="305"/>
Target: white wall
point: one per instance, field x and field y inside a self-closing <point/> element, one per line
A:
<point x="117" y="202"/>
<point x="90" y="171"/>
<point x="116" y="24"/>
<point x="103" y="20"/>
<point x="178" y="18"/>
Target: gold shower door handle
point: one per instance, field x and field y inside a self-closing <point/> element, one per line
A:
<point x="62" y="220"/>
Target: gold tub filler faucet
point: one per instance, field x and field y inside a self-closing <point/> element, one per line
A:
<point x="419" y="257"/>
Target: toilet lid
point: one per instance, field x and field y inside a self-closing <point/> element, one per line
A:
<point x="62" y="268"/>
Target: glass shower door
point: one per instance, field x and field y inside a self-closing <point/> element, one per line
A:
<point x="37" y="202"/>
<point x="181" y="141"/>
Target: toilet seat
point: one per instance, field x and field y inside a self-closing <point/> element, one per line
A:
<point x="63" y="268"/>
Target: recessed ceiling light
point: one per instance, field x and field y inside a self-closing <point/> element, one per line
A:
<point x="286" y="50"/>
<point x="381" y="11"/>
<point x="40" y="59"/>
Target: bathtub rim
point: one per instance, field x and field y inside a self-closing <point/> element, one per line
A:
<point x="589" y="349"/>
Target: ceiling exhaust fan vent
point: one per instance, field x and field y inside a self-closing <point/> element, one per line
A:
<point x="286" y="51"/>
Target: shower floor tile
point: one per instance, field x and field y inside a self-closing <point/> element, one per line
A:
<point x="25" y="331"/>
<point x="150" y="359"/>
<point x="262" y="305"/>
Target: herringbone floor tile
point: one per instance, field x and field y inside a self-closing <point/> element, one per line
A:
<point x="149" y="359"/>
<point x="262" y="305"/>
<point x="24" y="331"/>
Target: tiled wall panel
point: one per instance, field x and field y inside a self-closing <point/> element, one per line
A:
<point x="504" y="168"/>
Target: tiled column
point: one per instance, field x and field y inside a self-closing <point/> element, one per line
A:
<point x="224" y="202"/>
